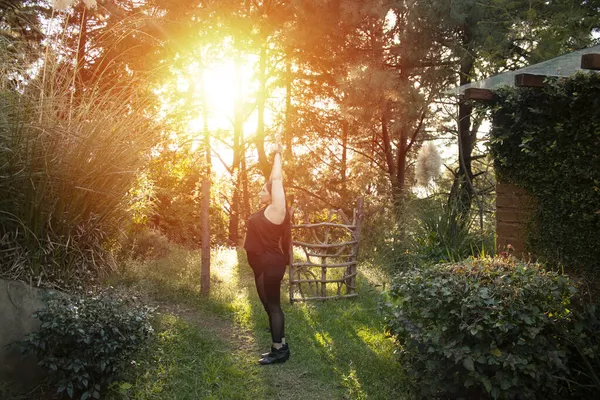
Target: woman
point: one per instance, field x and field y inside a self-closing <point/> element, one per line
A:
<point x="267" y="245"/>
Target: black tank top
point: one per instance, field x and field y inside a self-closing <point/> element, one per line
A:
<point x="264" y="236"/>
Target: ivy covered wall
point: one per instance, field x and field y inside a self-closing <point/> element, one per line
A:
<point x="547" y="141"/>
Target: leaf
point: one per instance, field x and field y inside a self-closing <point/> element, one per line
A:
<point x="468" y="364"/>
<point x="125" y="386"/>
<point x="496" y="352"/>
<point x="486" y="382"/>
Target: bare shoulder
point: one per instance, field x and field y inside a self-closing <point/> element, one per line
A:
<point x="275" y="215"/>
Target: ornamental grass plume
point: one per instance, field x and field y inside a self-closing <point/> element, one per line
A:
<point x="62" y="5"/>
<point x="428" y="165"/>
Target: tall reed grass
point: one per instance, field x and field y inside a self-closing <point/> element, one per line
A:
<point x="424" y="233"/>
<point x="68" y="157"/>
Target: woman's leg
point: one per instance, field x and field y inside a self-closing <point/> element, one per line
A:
<point x="259" y="279"/>
<point x="280" y="351"/>
<point x="272" y="283"/>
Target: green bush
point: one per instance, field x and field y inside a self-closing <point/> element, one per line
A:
<point x="426" y="235"/>
<point x="433" y="238"/>
<point x="85" y="342"/>
<point x="546" y="141"/>
<point x="488" y="328"/>
<point x="148" y="244"/>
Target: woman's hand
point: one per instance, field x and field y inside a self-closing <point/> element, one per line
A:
<point x="277" y="146"/>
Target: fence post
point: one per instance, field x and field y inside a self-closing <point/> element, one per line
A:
<point x="351" y="285"/>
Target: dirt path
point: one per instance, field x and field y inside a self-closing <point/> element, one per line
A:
<point x="290" y="381"/>
<point x="236" y="337"/>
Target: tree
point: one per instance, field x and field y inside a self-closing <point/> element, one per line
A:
<point x="483" y="38"/>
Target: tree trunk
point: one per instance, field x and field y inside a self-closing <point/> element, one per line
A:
<point x="396" y="176"/>
<point x="462" y="192"/>
<point x="288" y="134"/>
<point x="234" y="215"/>
<point x="344" y="166"/>
<point x="263" y="163"/>
<point x="245" y="194"/>
<point x="238" y="126"/>
<point x="401" y="154"/>
<point x="205" y="255"/>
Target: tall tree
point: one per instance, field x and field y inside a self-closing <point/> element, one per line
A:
<point x="20" y="35"/>
<point x="481" y="38"/>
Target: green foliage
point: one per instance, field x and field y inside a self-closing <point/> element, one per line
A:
<point x="148" y="244"/>
<point x="433" y="238"/>
<point x="583" y="334"/>
<point x="489" y="328"/>
<point x="546" y="140"/>
<point x="167" y="197"/>
<point x="85" y="342"/>
<point x="67" y="162"/>
<point x="425" y="234"/>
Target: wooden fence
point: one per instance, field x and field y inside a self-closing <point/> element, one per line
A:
<point x="331" y="250"/>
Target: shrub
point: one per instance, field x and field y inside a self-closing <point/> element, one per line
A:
<point x="148" y="244"/>
<point x="433" y="238"/>
<point x="486" y="328"/>
<point x="547" y="141"/>
<point x="85" y="342"/>
<point x="428" y="236"/>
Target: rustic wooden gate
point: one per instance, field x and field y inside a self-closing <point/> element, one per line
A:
<point x="331" y="250"/>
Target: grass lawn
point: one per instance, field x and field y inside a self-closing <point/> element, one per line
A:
<point x="207" y="348"/>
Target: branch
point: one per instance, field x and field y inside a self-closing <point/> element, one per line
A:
<point x="416" y="132"/>
<point x="452" y="171"/>
<point x="314" y="195"/>
<point x="229" y="169"/>
<point x="368" y="157"/>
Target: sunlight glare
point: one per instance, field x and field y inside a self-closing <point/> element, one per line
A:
<point x="225" y="265"/>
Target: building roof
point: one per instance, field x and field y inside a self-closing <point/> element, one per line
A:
<point x="565" y="65"/>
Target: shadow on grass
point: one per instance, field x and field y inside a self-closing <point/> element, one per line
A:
<point x="184" y="362"/>
<point x="347" y="336"/>
<point x="339" y="349"/>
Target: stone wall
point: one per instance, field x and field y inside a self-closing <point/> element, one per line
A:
<point x="514" y="207"/>
<point x="18" y="302"/>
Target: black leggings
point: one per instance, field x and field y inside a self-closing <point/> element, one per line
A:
<point x="269" y="269"/>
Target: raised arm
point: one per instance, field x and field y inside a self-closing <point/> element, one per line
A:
<point x="275" y="212"/>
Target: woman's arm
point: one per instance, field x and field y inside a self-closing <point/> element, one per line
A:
<point x="275" y="212"/>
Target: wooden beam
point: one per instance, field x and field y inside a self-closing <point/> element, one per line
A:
<point x="344" y="279"/>
<point x="326" y="297"/>
<point x="332" y="224"/>
<point x="591" y="61"/>
<point x="332" y="265"/>
<point x="478" y="94"/>
<point x="529" y="80"/>
<point x="323" y="246"/>
<point x="329" y="255"/>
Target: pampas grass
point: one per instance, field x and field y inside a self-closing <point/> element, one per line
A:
<point x="68" y="157"/>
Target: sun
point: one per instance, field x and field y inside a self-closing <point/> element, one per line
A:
<point x="222" y="85"/>
<point x="205" y="94"/>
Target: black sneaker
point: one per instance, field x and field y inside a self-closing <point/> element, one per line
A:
<point x="263" y="355"/>
<point x="276" y="356"/>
